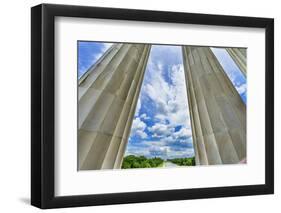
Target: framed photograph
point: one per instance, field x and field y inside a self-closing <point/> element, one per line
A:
<point x="139" y="106"/>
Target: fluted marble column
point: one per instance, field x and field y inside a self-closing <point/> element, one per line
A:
<point x="108" y="95"/>
<point x="218" y="115"/>
<point x="239" y="55"/>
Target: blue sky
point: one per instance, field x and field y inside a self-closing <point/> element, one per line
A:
<point x="161" y="125"/>
<point x="89" y="53"/>
<point x="233" y="72"/>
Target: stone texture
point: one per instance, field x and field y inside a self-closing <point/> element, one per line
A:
<point x="218" y="115"/>
<point x="239" y="55"/>
<point x="107" y="98"/>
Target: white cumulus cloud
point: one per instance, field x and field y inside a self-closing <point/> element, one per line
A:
<point x="138" y="128"/>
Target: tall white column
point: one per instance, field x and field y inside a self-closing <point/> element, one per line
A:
<point x="218" y="115"/>
<point x="108" y="95"/>
<point x="239" y="55"/>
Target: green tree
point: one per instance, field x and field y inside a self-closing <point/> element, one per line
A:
<point x="132" y="161"/>
<point x="183" y="161"/>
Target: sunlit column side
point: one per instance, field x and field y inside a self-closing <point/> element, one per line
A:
<point x="218" y="115"/>
<point x="239" y="55"/>
<point x="108" y="95"/>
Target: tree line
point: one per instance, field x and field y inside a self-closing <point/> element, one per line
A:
<point x="183" y="161"/>
<point x="132" y="161"/>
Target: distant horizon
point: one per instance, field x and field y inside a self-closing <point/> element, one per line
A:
<point x="156" y="157"/>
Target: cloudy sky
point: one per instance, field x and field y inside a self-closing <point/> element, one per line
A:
<point x="161" y="125"/>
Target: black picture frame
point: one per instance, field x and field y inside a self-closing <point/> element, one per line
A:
<point x="43" y="102"/>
